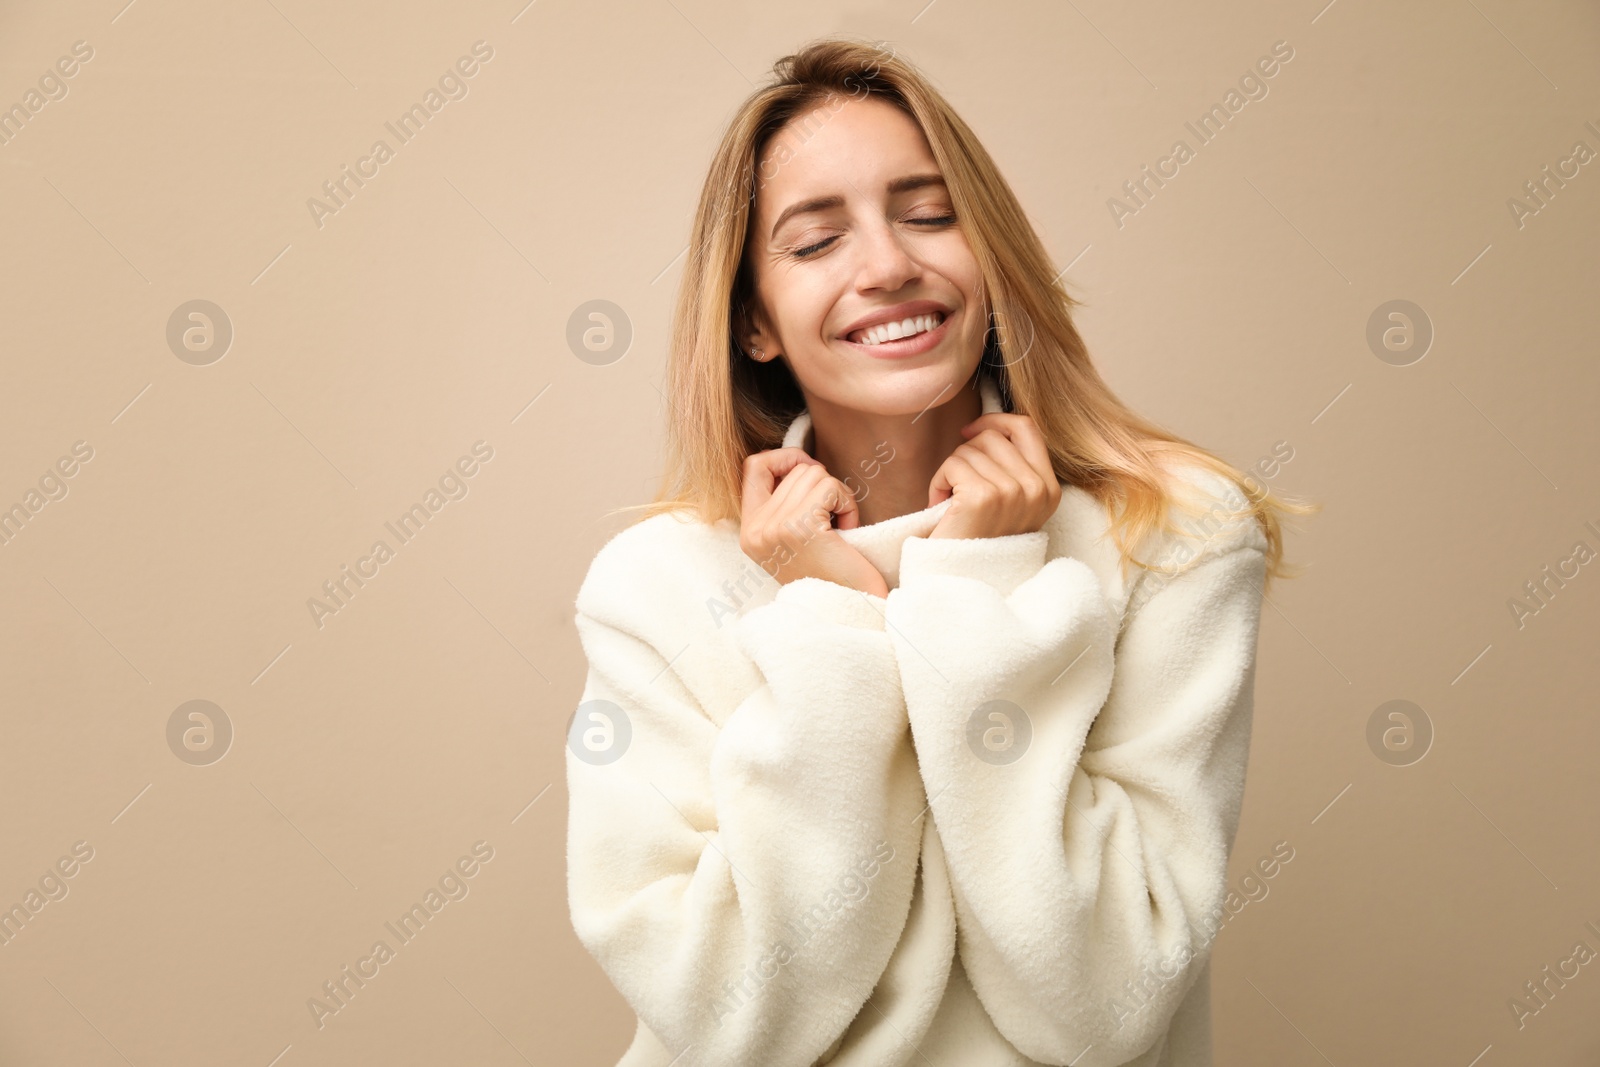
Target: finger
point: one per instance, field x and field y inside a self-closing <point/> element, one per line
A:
<point x="767" y="523"/>
<point x="847" y="511"/>
<point x="952" y="472"/>
<point x="764" y="470"/>
<point x="821" y="498"/>
<point x="1021" y="431"/>
<point x="794" y="494"/>
<point x="1001" y="450"/>
<point x="992" y="470"/>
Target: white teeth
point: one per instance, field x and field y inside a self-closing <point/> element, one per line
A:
<point x="894" y="331"/>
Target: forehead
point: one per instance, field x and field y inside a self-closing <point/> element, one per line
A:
<point x="842" y="146"/>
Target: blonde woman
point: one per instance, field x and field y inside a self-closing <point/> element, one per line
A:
<point x="919" y="702"/>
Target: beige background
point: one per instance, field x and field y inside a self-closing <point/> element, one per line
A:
<point x="430" y="313"/>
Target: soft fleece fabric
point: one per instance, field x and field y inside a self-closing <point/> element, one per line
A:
<point x="800" y="860"/>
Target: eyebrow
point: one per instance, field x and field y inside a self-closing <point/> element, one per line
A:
<point x="825" y="203"/>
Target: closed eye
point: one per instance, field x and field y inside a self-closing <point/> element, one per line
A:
<point x="811" y="250"/>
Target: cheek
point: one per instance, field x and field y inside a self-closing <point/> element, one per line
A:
<point x="956" y="263"/>
<point x="804" y="307"/>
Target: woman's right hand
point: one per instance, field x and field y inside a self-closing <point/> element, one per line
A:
<point x="786" y="522"/>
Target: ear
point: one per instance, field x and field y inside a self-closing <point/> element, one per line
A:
<point x="757" y="333"/>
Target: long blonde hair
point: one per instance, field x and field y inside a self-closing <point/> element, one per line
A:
<point x="725" y="406"/>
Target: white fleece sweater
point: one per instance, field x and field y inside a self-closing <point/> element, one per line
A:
<point x="808" y="836"/>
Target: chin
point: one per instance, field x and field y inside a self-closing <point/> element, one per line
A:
<point x="912" y="390"/>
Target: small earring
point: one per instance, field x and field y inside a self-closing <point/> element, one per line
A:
<point x="756" y="354"/>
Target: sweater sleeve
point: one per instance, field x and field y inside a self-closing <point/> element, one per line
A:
<point x="744" y="887"/>
<point x="1084" y="862"/>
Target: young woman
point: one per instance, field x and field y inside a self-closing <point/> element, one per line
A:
<point x="919" y="703"/>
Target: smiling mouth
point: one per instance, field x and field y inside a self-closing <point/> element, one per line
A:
<point x="911" y="326"/>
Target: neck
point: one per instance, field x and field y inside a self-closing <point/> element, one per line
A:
<point x="888" y="461"/>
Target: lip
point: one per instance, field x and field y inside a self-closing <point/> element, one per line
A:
<point x="908" y="346"/>
<point x="895" y="314"/>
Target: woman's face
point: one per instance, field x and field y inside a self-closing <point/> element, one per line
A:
<point x="853" y="226"/>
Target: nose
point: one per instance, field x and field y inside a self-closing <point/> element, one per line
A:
<point x="885" y="262"/>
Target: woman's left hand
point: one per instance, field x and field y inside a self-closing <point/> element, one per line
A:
<point x="1001" y="480"/>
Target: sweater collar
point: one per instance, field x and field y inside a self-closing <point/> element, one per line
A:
<point x="880" y="542"/>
